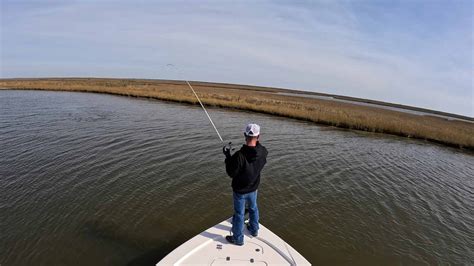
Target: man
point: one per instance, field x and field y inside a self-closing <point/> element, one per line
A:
<point x="244" y="168"/>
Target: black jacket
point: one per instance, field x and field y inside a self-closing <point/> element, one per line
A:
<point x="244" y="168"/>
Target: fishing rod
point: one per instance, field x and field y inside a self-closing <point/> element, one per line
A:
<point x="202" y="105"/>
<point x="205" y="111"/>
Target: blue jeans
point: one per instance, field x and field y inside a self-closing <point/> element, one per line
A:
<point x="240" y="200"/>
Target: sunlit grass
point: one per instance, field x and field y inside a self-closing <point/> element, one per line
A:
<point x="328" y="112"/>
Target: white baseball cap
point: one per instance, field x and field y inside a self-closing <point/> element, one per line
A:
<point x="252" y="130"/>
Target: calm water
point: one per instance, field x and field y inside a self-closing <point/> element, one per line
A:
<point x="89" y="179"/>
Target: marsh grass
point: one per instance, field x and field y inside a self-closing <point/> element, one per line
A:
<point x="340" y="114"/>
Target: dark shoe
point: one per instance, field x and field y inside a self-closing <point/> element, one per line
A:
<point x="230" y="239"/>
<point x="253" y="234"/>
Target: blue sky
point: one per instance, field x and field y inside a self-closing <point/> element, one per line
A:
<point x="414" y="52"/>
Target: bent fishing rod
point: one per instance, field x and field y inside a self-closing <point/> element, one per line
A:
<point x="229" y="145"/>
<point x="208" y="116"/>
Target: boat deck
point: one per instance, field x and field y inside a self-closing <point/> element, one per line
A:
<point x="211" y="248"/>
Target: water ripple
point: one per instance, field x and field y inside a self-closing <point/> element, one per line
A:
<point x="114" y="177"/>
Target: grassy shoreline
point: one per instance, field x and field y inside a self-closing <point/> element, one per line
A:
<point x="453" y="133"/>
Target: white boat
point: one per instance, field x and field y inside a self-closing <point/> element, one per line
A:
<point x="211" y="248"/>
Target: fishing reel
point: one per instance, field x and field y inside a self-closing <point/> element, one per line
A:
<point x="228" y="146"/>
<point x="227" y="149"/>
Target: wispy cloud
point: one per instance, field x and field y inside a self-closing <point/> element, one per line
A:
<point x="417" y="53"/>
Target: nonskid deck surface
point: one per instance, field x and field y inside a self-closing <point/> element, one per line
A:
<point x="211" y="248"/>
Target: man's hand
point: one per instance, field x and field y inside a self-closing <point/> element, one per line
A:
<point x="226" y="151"/>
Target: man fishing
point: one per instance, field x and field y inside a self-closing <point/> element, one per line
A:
<point x="244" y="168"/>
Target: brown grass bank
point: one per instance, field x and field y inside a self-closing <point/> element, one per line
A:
<point x="266" y="100"/>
